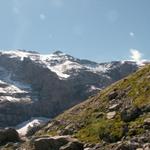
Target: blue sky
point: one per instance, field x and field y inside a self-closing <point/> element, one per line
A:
<point x="100" y="30"/>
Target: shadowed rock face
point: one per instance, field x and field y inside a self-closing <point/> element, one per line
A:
<point x="8" y="135"/>
<point x="46" y="94"/>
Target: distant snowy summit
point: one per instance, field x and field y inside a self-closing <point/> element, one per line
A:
<point x="62" y="64"/>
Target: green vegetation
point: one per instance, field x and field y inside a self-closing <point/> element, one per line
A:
<point x="135" y="127"/>
<point x="89" y="119"/>
<point x="108" y="130"/>
<point x="111" y="131"/>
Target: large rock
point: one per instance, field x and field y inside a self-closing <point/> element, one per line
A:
<point x="112" y="95"/>
<point x="146" y="146"/>
<point x="147" y="123"/>
<point x="111" y="115"/>
<point x="8" y="135"/>
<point x="130" y="114"/>
<point x="127" y="146"/>
<point x="114" y="107"/>
<point x="146" y="108"/>
<point x="56" y="143"/>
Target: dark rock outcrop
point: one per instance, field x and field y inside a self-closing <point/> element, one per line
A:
<point x="8" y="135"/>
<point x="130" y="114"/>
<point x="112" y="95"/>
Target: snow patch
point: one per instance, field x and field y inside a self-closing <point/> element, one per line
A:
<point x="7" y="79"/>
<point x="93" y="88"/>
<point x="10" y="89"/>
<point x="59" y="63"/>
<point x="20" y="54"/>
<point x="9" y="98"/>
<point x="99" y="68"/>
<point x="23" y="127"/>
<point x="60" y="69"/>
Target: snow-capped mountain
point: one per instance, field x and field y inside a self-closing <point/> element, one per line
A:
<point x="60" y="63"/>
<point x="35" y="85"/>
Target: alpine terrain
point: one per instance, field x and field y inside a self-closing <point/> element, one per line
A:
<point x="117" y="118"/>
<point x="38" y="85"/>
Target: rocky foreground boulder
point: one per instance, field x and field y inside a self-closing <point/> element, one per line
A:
<point x="56" y="143"/>
<point x="8" y="135"/>
<point x="46" y="143"/>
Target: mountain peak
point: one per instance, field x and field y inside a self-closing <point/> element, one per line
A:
<point x="58" y="52"/>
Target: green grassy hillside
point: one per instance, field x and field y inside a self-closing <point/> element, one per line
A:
<point x="117" y="112"/>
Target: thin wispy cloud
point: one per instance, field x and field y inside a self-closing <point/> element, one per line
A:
<point x="42" y="16"/>
<point x="132" y="34"/>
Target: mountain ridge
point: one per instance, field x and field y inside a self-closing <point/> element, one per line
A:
<point x="41" y="77"/>
<point x="60" y="57"/>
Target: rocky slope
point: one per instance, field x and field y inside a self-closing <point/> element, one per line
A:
<point x="30" y="82"/>
<point x="117" y="118"/>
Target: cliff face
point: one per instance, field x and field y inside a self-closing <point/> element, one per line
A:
<point x="33" y="85"/>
